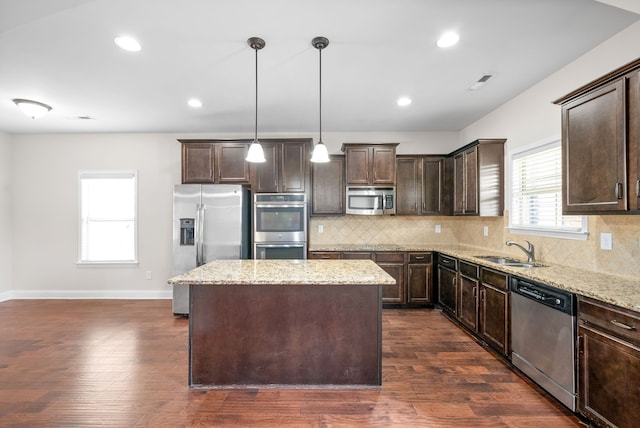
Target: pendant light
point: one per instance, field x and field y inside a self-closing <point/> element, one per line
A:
<point x="320" y="153"/>
<point x="256" y="154"/>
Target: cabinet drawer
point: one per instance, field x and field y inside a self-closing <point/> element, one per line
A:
<point x="448" y="262"/>
<point x="616" y="321"/>
<point x="390" y="257"/>
<point x="497" y="279"/>
<point x="357" y="255"/>
<point x="419" y="257"/>
<point x="469" y="270"/>
<point x="324" y="255"/>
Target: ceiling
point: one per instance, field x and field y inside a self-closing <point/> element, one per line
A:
<point x="61" y="52"/>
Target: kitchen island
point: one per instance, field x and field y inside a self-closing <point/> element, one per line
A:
<point x="300" y="323"/>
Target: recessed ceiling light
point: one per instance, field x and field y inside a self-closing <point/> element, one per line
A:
<point x="403" y="101"/>
<point x="194" y="103"/>
<point x="128" y="43"/>
<point x="448" y="39"/>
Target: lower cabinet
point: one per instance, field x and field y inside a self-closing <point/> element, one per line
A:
<point x="608" y="364"/>
<point x="469" y="291"/>
<point x="448" y="284"/>
<point x="413" y="272"/>
<point x="494" y="309"/>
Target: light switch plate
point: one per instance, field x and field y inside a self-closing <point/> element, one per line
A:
<point x="486" y="231"/>
<point x="438" y="228"/>
<point x="606" y="241"/>
<point x="320" y="228"/>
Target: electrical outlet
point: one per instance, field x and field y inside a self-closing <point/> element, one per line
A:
<point x="320" y="228"/>
<point x="606" y="241"/>
<point x="438" y="228"/>
<point x="147" y="274"/>
<point x="486" y="231"/>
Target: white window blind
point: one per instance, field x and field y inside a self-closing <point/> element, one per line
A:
<point x="536" y="193"/>
<point x="108" y="217"/>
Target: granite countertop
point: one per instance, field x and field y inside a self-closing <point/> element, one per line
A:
<point x="617" y="290"/>
<point x="287" y="272"/>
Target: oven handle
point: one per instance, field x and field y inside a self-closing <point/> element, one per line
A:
<point x="259" y="205"/>
<point x="301" y="245"/>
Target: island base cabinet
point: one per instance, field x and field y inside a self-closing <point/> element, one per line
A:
<point x="247" y="335"/>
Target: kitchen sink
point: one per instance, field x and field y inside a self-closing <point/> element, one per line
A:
<point x="506" y="261"/>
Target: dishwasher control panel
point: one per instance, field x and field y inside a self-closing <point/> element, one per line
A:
<point x="545" y="294"/>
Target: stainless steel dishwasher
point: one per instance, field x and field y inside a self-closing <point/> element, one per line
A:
<point x="543" y="323"/>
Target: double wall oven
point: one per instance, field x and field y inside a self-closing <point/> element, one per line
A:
<point x="280" y="226"/>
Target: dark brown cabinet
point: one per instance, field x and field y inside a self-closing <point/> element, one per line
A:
<point x="469" y="292"/>
<point x="420" y="185"/>
<point x="394" y="264"/>
<point x="608" y="364"/>
<point x="286" y="169"/>
<point x="478" y="178"/>
<point x="420" y="278"/>
<point x="328" y="187"/>
<point x="368" y="164"/>
<point x="324" y="255"/>
<point x="448" y="284"/>
<point x="494" y="309"/>
<point x="215" y="161"/>
<point x="601" y="144"/>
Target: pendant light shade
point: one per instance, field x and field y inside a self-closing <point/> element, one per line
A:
<point x="256" y="154"/>
<point x="320" y="153"/>
<point x="33" y="109"/>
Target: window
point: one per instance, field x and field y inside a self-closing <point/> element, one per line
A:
<point x="108" y="217"/>
<point x="536" y="194"/>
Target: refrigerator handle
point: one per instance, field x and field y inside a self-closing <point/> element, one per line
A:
<point x="203" y="256"/>
<point x="197" y="236"/>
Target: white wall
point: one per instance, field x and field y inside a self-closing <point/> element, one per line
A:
<point x="5" y="217"/>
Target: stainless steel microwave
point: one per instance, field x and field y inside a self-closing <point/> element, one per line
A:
<point x="371" y="200"/>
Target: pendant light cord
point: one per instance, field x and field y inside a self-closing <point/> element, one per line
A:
<point x="255" y="138"/>
<point x="320" y="97"/>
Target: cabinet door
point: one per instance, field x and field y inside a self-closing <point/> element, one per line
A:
<point x="447" y="290"/>
<point x="419" y="283"/>
<point x="468" y="302"/>
<point x="471" y="181"/>
<point x="293" y="167"/>
<point x="408" y="186"/>
<point x="328" y="187"/>
<point x="197" y="163"/>
<point x="231" y="166"/>
<point x="494" y="317"/>
<point x="593" y="151"/>
<point x="393" y="293"/>
<point x="383" y="165"/>
<point x="357" y="165"/>
<point x="608" y="379"/>
<point x="265" y="175"/>
<point x="458" y="184"/>
<point x="634" y="141"/>
<point x="432" y="186"/>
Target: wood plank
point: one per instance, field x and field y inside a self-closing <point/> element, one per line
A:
<point x="124" y="363"/>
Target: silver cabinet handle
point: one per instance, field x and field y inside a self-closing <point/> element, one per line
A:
<point x="638" y="188"/>
<point x="619" y="190"/>
<point x="622" y="325"/>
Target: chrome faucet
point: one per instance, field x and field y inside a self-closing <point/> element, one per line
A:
<point x="530" y="251"/>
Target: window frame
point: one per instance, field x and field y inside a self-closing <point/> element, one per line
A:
<point x="581" y="234"/>
<point x="83" y="174"/>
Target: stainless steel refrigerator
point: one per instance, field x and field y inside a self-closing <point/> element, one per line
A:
<point x="210" y="222"/>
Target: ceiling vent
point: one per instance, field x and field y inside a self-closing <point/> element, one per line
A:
<point x="481" y="81"/>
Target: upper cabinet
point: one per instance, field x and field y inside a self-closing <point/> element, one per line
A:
<point x="600" y="144"/>
<point x="215" y="161"/>
<point x="370" y="164"/>
<point x="286" y="169"/>
<point x="420" y="185"/>
<point x="328" y="187"/>
<point x="478" y="178"/>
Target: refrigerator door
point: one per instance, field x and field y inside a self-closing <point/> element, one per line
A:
<point x="186" y="202"/>
<point x="222" y="222"/>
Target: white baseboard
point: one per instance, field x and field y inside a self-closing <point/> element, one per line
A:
<point x="86" y="294"/>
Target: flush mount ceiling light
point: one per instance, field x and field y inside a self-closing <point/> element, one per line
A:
<point x="256" y="154"/>
<point x="320" y="153"/>
<point x="403" y="101"/>
<point x="448" y="39"/>
<point x="33" y="109"/>
<point x="128" y="43"/>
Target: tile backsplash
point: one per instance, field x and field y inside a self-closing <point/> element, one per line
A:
<point x="623" y="259"/>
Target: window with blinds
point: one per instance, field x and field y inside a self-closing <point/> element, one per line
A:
<point x="536" y="192"/>
<point x="108" y="217"/>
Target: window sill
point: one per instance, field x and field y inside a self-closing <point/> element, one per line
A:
<point x="578" y="236"/>
<point x="132" y="263"/>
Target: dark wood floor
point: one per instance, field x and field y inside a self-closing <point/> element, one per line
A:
<point x="123" y="363"/>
